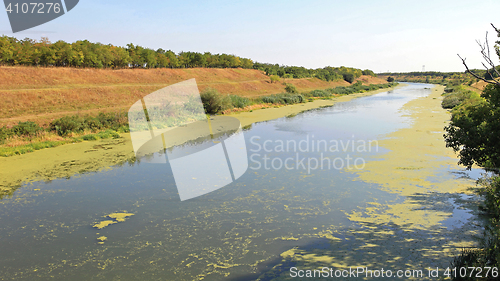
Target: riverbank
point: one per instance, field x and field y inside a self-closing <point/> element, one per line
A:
<point x="89" y="156"/>
<point x="426" y="226"/>
<point x="43" y="94"/>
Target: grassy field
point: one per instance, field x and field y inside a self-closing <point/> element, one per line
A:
<point x="45" y="94"/>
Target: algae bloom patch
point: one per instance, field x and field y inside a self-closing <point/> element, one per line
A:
<point x="102" y="239"/>
<point x="103" y="224"/>
<point x="117" y="217"/>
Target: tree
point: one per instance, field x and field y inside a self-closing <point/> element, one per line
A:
<point x="474" y="128"/>
<point x="349" y="77"/>
<point x="474" y="133"/>
<point x="274" y="78"/>
<point x="491" y="69"/>
<point x="390" y="79"/>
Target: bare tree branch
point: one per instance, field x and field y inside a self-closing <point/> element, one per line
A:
<point x="496" y="29"/>
<point x="485" y="52"/>
<point x="475" y="75"/>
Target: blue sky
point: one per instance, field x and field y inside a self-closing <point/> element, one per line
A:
<point x="378" y="35"/>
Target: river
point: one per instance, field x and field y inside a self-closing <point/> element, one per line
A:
<point x="306" y="201"/>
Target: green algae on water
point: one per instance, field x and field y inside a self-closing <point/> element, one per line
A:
<point x="118" y="217"/>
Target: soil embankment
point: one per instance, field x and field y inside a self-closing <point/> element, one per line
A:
<point x="45" y="94"/>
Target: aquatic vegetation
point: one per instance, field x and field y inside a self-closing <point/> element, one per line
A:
<point x="118" y="217"/>
<point x="103" y="224"/>
<point x="102" y="239"/>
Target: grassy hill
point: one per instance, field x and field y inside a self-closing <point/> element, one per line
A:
<point x="44" y="94"/>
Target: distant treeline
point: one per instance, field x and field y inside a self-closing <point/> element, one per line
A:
<point x="424" y="73"/>
<point x="488" y="75"/>
<point x="327" y="73"/>
<point x="30" y="52"/>
<point x="435" y="77"/>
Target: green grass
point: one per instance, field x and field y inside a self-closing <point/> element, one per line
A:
<point x="26" y="148"/>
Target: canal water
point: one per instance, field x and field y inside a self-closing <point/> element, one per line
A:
<point x="128" y="223"/>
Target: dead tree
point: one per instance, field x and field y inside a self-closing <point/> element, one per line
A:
<point x="485" y="52"/>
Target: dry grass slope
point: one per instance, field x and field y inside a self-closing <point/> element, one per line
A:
<point x="44" y="94"/>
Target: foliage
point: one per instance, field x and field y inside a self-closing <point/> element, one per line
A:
<point x="193" y="105"/>
<point x="67" y="124"/>
<point x="83" y="53"/>
<point x="274" y="78"/>
<point x="473" y="130"/>
<point x="370" y="72"/>
<point x="291" y="89"/>
<point x="349" y="77"/>
<point x="4" y="134"/>
<point x="22" y="149"/>
<point x="320" y="93"/>
<point x="390" y="79"/>
<point x="240" y="102"/>
<point x="447" y="78"/>
<point x="327" y="73"/>
<point x="214" y="102"/>
<point x="473" y="133"/>
<point x="77" y="124"/>
<point x="284" y="98"/>
<point x="457" y="95"/>
<point x="28" y="128"/>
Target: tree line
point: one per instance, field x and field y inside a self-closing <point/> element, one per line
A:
<point x="82" y="53"/>
<point x="327" y="73"/>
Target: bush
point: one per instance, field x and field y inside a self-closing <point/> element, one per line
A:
<point x="214" y="102"/>
<point x="291" y="89"/>
<point x="459" y="95"/>
<point x="68" y="124"/>
<point x="349" y="77"/>
<point x="450" y="101"/>
<point x="489" y="253"/>
<point x="192" y="105"/>
<point x="239" y="102"/>
<point x="320" y="93"/>
<point x="283" y="99"/>
<point x="29" y="129"/>
<point x="390" y="79"/>
<point x="4" y="134"/>
<point x="274" y="78"/>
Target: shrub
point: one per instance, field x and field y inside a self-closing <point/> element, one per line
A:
<point x="320" y="93"/>
<point x="193" y="105"/>
<point x="4" y="134"/>
<point x="29" y="129"/>
<point x="239" y="102"/>
<point x="291" y="89"/>
<point x="349" y="77"/>
<point x="450" y="101"/>
<point x="274" y="78"/>
<point x="68" y="124"/>
<point x="369" y="72"/>
<point x="390" y="79"/>
<point x="283" y="99"/>
<point x="214" y="102"/>
<point x="459" y="95"/>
